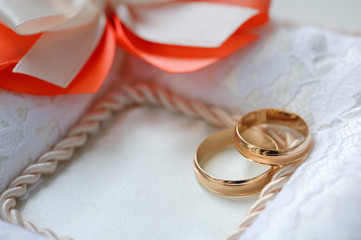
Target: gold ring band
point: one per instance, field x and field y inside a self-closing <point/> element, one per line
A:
<point x="271" y="156"/>
<point x="214" y="143"/>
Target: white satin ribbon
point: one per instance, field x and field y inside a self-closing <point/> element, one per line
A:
<point x="71" y="30"/>
<point x="197" y="24"/>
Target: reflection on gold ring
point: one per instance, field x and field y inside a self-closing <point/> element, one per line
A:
<point x="211" y="145"/>
<point x="272" y="156"/>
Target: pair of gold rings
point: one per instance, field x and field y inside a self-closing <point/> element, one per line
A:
<point x="256" y="145"/>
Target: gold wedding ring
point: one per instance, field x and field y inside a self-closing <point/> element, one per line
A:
<point x="260" y="146"/>
<point x="213" y="144"/>
<point x="269" y="155"/>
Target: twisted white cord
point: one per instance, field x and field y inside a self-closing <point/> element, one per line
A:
<point x="268" y="193"/>
<point x="127" y="96"/>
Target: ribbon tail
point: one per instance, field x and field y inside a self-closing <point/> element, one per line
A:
<point x="57" y="57"/>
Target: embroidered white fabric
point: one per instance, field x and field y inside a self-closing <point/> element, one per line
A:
<point x="29" y="125"/>
<point x="313" y="72"/>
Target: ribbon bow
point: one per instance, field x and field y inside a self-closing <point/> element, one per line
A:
<point x="67" y="46"/>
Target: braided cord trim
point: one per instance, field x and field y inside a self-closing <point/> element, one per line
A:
<point x="117" y="101"/>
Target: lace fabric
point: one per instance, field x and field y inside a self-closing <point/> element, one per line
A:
<point x="311" y="71"/>
<point x="29" y="125"/>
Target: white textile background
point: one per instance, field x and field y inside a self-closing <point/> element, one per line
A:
<point x="311" y="71"/>
<point x="12" y="232"/>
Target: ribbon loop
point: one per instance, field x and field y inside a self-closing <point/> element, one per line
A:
<point x="71" y="30"/>
<point x="195" y="24"/>
<point x="25" y="19"/>
<point x="57" y="57"/>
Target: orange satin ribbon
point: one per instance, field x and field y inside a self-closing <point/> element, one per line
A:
<point x="179" y="59"/>
<point x="170" y="58"/>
